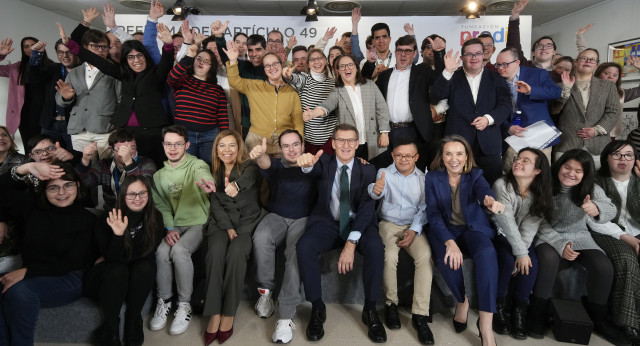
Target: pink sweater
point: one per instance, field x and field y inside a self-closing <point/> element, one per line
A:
<point x="16" y="95"/>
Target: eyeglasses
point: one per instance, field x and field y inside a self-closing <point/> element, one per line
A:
<point x="295" y="145"/>
<point x="504" y="65"/>
<point x="317" y="59"/>
<point x="346" y="66"/>
<point x="133" y="57"/>
<point x="178" y="145"/>
<point x="544" y="46"/>
<point x="524" y="160"/>
<point x="472" y="55"/>
<point x="627" y="157"/>
<point x="274" y="41"/>
<point x="132" y="195"/>
<point x="70" y="186"/>
<point x="404" y="51"/>
<point x="102" y="47"/>
<point x="342" y="141"/>
<point x="270" y="66"/>
<point x="177" y="47"/>
<point x="588" y="60"/>
<point x="203" y="61"/>
<point x="63" y="53"/>
<point x="487" y="45"/>
<point x="39" y="152"/>
<point x="404" y="157"/>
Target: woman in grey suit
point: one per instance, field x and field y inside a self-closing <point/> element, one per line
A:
<point x="358" y="102"/>
<point x="235" y="213"/>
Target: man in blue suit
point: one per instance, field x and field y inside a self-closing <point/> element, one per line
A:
<point x="479" y="103"/>
<point x="344" y="216"/>
<point x="530" y="88"/>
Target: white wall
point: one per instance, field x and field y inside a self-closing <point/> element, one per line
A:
<point x="20" y="19"/>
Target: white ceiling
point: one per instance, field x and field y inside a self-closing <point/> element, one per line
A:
<point x="542" y="10"/>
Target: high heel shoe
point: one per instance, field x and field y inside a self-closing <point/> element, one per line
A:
<point x="224" y="335"/>
<point x="459" y="326"/>
<point x="480" y="334"/>
<point x="209" y="337"/>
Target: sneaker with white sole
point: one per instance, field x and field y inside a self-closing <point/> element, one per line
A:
<point x="159" y="319"/>
<point x="264" y="305"/>
<point x="284" y="331"/>
<point x="182" y="318"/>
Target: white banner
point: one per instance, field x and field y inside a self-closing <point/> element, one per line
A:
<point x="455" y="29"/>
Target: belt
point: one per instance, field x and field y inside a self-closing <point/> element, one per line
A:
<point x="60" y="118"/>
<point x="401" y="125"/>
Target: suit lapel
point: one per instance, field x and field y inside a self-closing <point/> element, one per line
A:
<point x="99" y="76"/>
<point x="444" y="192"/>
<point x="575" y="93"/>
<point x="596" y="90"/>
<point x="346" y="100"/>
<point x="412" y="77"/>
<point x="464" y="189"/>
<point x="461" y="78"/>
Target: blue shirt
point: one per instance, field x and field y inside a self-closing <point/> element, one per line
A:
<point x="403" y="201"/>
<point x="291" y="192"/>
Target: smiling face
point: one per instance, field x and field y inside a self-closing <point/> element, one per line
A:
<point x="621" y="166"/>
<point x="136" y="61"/>
<point x="544" y="51"/>
<point x="300" y="60"/>
<point x="43" y="152"/>
<point x="317" y="62"/>
<point x="272" y="67"/>
<point x="454" y="157"/>
<point x="510" y="71"/>
<point x="571" y="173"/>
<point x="228" y="150"/>
<point x="405" y="158"/>
<point x="61" y="193"/>
<point x="347" y="69"/>
<point x="524" y="166"/>
<point x="274" y="42"/>
<point x="255" y="52"/>
<point x="64" y="56"/>
<point x="135" y="190"/>
<point x="488" y="48"/>
<point x="202" y="65"/>
<point x="346" y="44"/>
<point x="292" y="147"/>
<point x="175" y="147"/>
<point x="404" y="56"/>
<point x="473" y="64"/>
<point x="5" y="141"/>
<point x="610" y="73"/>
<point x="345" y="152"/>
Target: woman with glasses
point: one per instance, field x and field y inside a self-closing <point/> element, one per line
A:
<point x="459" y="198"/>
<point x="56" y="248"/>
<point x="358" y="102"/>
<point x="525" y="192"/>
<point x="313" y="88"/>
<point x="201" y="103"/>
<point x="235" y="211"/>
<point x="275" y="105"/>
<point x="587" y="109"/>
<point x="125" y="272"/>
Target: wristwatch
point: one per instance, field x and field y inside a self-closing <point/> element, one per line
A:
<point x="354" y="242"/>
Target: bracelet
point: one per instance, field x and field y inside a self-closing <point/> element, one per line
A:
<point x="16" y="176"/>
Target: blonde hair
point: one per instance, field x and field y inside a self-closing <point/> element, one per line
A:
<point x="243" y="154"/>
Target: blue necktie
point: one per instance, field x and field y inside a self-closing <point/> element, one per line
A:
<point x="345" y="229"/>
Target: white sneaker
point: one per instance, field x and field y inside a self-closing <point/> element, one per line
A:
<point x="159" y="319"/>
<point x="264" y="305"/>
<point x="182" y="318"/>
<point x="284" y="331"/>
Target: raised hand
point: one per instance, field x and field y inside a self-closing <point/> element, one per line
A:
<point x="218" y="28"/>
<point x="124" y="153"/>
<point x="44" y="171"/>
<point x="409" y="29"/>
<point x="307" y="160"/>
<point x="5" y="47"/>
<point x="582" y="30"/>
<point x="198" y="38"/>
<point x="232" y="52"/>
<point x="568" y="253"/>
<point x="329" y="33"/>
<point x="231" y="189"/>
<point x="63" y="35"/>
<point x="517" y="8"/>
<point x="109" y="15"/>
<point x="39" y="46"/>
<point x="451" y="62"/>
<point x="287" y="72"/>
<point x="356" y="15"/>
<point x="378" y="187"/>
<point x="157" y="10"/>
<point x="567" y="79"/>
<point x="164" y="34"/>
<point x="88" y="153"/>
<point x="62" y="154"/>
<point x="65" y="90"/>
<point x="90" y="14"/>
<point x="438" y="44"/>
<point x="259" y="150"/>
<point x="631" y="60"/>
<point x="493" y="205"/>
<point x="187" y="34"/>
<point x="207" y="186"/>
<point x="117" y="223"/>
<point x="589" y="207"/>
<point x="522" y="87"/>
<point x="292" y="41"/>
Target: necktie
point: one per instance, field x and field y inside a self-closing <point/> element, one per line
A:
<point x="345" y="229"/>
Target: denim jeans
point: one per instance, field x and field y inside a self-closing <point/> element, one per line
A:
<point x="202" y="144"/>
<point x="20" y="305"/>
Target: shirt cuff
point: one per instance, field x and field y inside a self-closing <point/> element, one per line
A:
<point x="354" y="235"/>
<point x="417" y="228"/>
<point x="490" y="118"/>
<point x="151" y="20"/>
<point x="446" y="74"/>
<point x="600" y="131"/>
<point x="307" y="169"/>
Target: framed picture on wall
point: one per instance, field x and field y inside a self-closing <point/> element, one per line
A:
<point x="620" y="51"/>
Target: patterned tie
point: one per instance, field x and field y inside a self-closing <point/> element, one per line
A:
<point x="345" y="229"/>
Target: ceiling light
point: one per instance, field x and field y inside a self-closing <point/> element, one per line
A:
<point x="311" y="18"/>
<point x="472" y="9"/>
<point x="178" y="7"/>
<point x="180" y="11"/>
<point x="311" y="9"/>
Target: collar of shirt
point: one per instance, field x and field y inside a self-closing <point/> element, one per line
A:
<point x="470" y="76"/>
<point x="395" y="69"/>
<point x="350" y="164"/>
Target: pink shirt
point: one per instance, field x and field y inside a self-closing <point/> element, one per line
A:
<point x="16" y="95"/>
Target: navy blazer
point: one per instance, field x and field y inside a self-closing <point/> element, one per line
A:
<point x="361" y="203"/>
<point x="534" y="106"/>
<point x="473" y="188"/>
<point x="494" y="98"/>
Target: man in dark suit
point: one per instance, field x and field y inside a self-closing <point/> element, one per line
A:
<point x="406" y="90"/>
<point x="479" y="103"/>
<point x="344" y="216"/>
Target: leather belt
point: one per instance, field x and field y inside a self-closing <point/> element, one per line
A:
<point x="401" y="125"/>
<point x="60" y="118"/>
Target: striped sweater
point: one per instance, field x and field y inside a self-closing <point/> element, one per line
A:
<point x="200" y="106"/>
<point x="312" y="92"/>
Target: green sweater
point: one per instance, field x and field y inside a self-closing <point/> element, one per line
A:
<point x="177" y="197"/>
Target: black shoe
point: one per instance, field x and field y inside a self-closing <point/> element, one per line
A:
<point x="376" y="329"/>
<point x="519" y="321"/>
<point x="105" y="336"/>
<point x="391" y="316"/>
<point x="500" y="319"/>
<point x="459" y="326"/>
<point x="315" y="331"/>
<point x="632" y="334"/>
<point x="425" y="335"/>
<point x="133" y="331"/>
<point x="537" y="317"/>
<point x="602" y="326"/>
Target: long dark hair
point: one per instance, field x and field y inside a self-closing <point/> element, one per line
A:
<point x="606" y="65"/>
<point x="359" y="77"/>
<point x="212" y="74"/>
<point x="540" y="186"/>
<point x="24" y="60"/>
<point x="69" y="175"/>
<point x="611" y="148"/>
<point x="127" y="47"/>
<point x="585" y="187"/>
<point x="151" y="216"/>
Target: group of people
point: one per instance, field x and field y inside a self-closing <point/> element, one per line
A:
<point x="228" y="145"/>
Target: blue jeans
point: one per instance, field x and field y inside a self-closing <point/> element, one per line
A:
<point x="20" y="305"/>
<point x="202" y="144"/>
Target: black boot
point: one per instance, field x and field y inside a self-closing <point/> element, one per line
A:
<point x="537" y="317"/>
<point x="602" y="326"/>
<point x="500" y="318"/>
<point x="519" y="321"/>
<point x="133" y="331"/>
<point x="106" y="335"/>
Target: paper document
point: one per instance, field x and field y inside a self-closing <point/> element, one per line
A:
<point x="538" y="135"/>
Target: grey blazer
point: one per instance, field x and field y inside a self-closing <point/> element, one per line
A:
<point x="376" y="112"/>
<point x="92" y="107"/>
<point x="603" y="109"/>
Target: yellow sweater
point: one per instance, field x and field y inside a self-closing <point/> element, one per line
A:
<point x="271" y="111"/>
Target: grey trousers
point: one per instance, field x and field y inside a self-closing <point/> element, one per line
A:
<point x="272" y="231"/>
<point x="176" y="260"/>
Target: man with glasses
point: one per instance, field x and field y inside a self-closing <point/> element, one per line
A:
<point x="475" y="113"/>
<point x="109" y="173"/>
<point x="291" y="197"/>
<point x="543" y="49"/>
<point x="488" y="48"/>
<point x="185" y="209"/>
<point x="405" y="87"/>
<point x="400" y="188"/>
<point x="530" y="88"/>
<point x="343" y="216"/>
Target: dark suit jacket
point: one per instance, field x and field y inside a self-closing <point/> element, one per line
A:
<point x="361" y="203"/>
<point x="420" y="79"/>
<point x="48" y="75"/>
<point x="494" y="98"/>
<point x="473" y="188"/>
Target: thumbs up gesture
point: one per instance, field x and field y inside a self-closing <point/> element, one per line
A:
<point x="589" y="207"/>
<point x="61" y="154"/>
<point x="379" y="186"/>
<point x="307" y="114"/>
<point x="259" y="150"/>
<point x="87" y="153"/>
<point x="307" y="160"/>
<point x="231" y="189"/>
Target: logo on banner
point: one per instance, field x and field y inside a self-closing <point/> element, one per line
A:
<point x="469" y="31"/>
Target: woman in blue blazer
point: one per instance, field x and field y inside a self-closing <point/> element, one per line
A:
<point x="457" y="196"/>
